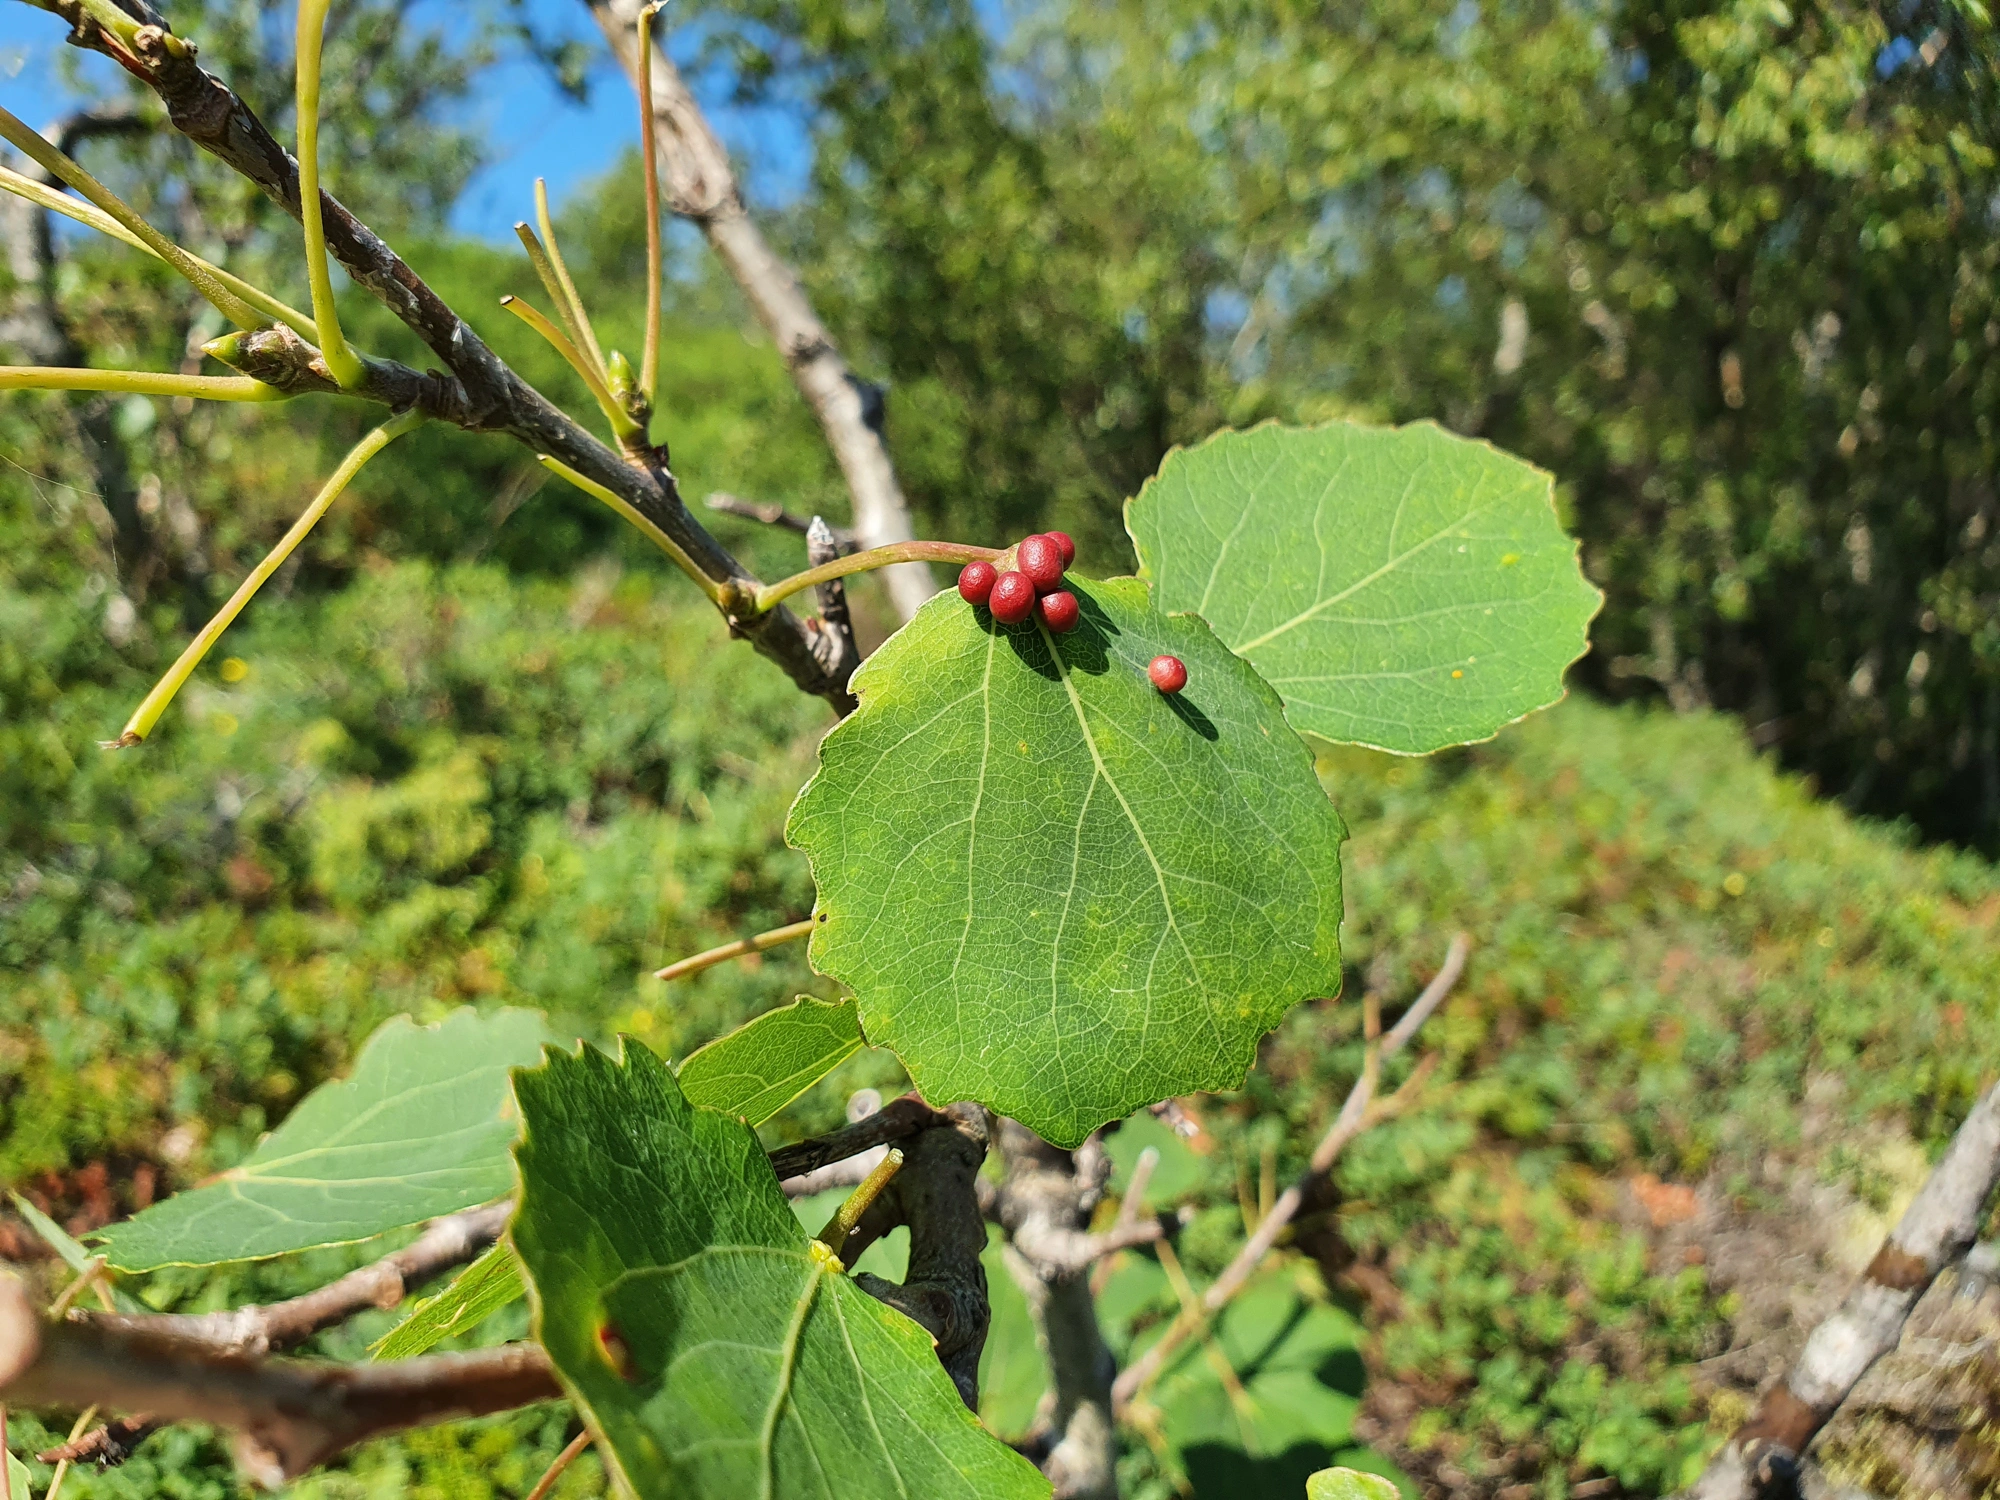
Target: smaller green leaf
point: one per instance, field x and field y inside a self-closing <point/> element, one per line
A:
<point x="19" y="1481"/>
<point x="1401" y="587"/>
<point x="73" y="1255"/>
<point x="420" y="1129"/>
<point x="718" y="1352"/>
<point x="765" y="1064"/>
<point x="474" y="1295"/>
<point x="1350" y="1484"/>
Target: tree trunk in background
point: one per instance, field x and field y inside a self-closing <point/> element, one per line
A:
<point x="33" y="324"/>
<point x="700" y="185"/>
<point x="1048" y="1195"/>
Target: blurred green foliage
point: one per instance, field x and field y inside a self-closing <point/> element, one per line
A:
<point x="1726" y="267"/>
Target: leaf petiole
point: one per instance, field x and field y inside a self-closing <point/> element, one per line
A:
<point x="44" y="196"/>
<point x="155" y="703"/>
<point x="874" y="557"/>
<point x="136" y="383"/>
<point x="681" y="968"/>
<point x="197" y="272"/>
<point x="841" y="1225"/>
<point x="649" y="363"/>
<point x="564" y="291"/>
<point x="631" y="513"/>
<point x="341" y="362"/>
<point x="620" y="420"/>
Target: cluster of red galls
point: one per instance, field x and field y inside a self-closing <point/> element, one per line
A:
<point x="1033" y="586"/>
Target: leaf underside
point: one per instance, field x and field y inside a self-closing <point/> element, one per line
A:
<point x="421" y="1128"/>
<point x="73" y="1255"/>
<point x="470" y="1298"/>
<point x="1402" y="588"/>
<point x="1350" y="1484"/>
<point x="1053" y="889"/>
<point x="715" y="1355"/>
<point x="765" y="1064"/>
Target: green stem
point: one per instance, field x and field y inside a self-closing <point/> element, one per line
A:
<point x="148" y="713"/>
<point x="137" y="383"/>
<point x="198" y="272"/>
<point x="622" y="425"/>
<point x="652" y="532"/>
<point x="341" y="362"/>
<point x="44" y="196"/>
<point x="841" y="1225"/>
<point x="585" y="335"/>
<point x="649" y="362"/>
<point x="874" y="557"/>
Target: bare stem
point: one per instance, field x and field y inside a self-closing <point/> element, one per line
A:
<point x="136" y="383"/>
<point x="555" y="1470"/>
<point x="1940" y="1225"/>
<point x="874" y="557"/>
<point x="340" y="360"/>
<point x="294" y="1414"/>
<point x="155" y="703"/>
<point x="1354" y="1117"/>
<point x="62" y="1464"/>
<point x="631" y="513"/>
<point x="681" y="968"/>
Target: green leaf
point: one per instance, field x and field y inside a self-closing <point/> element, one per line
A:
<point x="718" y="1353"/>
<point x="762" y="1066"/>
<point x="20" y="1484"/>
<point x="1401" y="587"/>
<point x="73" y="1255"/>
<point x="420" y="1129"/>
<point x="474" y="1295"/>
<point x="1350" y="1484"/>
<point x="1296" y="1358"/>
<point x="1055" y="890"/>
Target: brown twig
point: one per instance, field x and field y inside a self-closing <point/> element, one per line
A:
<point x="770" y="513"/>
<point x="1353" y="1118"/>
<point x="292" y="1414"/>
<point x="255" y="1330"/>
<point x="105" y="1446"/>
<point x="562" y="1461"/>
<point x="944" y="1289"/>
<point x="481" y="393"/>
<point x="1128" y="1212"/>
<point x="1939" y="1226"/>
<point x="837" y="649"/>
<point x="897" y="1120"/>
<point x="56" y="1479"/>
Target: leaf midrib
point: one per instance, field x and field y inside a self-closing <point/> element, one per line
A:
<point x="1097" y="759"/>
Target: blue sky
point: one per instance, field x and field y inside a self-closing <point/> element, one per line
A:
<point x="534" y="130"/>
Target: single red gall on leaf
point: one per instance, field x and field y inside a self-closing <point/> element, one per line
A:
<point x="1012" y="599"/>
<point x="975" y="582"/>
<point x="617" y="1353"/>
<point x="1064" y="544"/>
<point x="1059" y="611"/>
<point x="1042" y="560"/>
<point x="1169" y="673"/>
